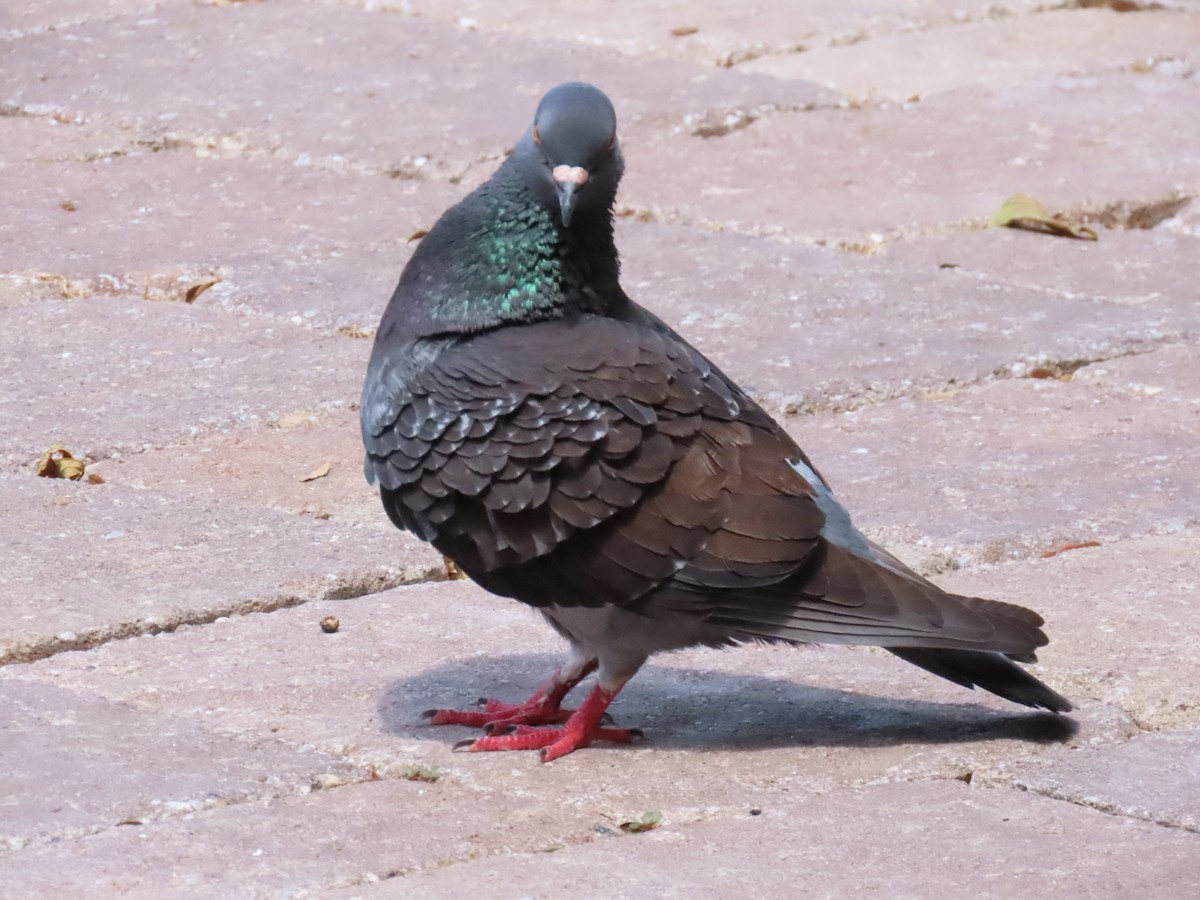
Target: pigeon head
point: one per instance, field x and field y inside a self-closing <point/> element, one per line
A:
<point x="534" y="241"/>
<point x="571" y="154"/>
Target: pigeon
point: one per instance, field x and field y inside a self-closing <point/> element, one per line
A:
<point x="566" y="448"/>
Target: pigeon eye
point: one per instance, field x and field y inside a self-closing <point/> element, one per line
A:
<point x="537" y="138"/>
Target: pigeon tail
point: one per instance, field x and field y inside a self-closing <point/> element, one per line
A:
<point x="991" y="671"/>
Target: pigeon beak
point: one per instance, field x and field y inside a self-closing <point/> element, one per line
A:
<point x="567" y="180"/>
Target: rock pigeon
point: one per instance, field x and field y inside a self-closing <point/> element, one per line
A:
<point x="568" y="449"/>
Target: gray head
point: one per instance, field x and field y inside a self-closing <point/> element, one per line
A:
<point x="573" y="142"/>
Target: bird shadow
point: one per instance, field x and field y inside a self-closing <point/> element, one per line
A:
<point x="689" y="708"/>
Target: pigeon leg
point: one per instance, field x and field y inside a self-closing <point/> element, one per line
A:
<point x="579" y="730"/>
<point x="543" y="708"/>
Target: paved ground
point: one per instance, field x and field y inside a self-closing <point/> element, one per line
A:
<point x="808" y="191"/>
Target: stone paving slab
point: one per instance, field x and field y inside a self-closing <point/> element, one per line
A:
<point x="1186" y="220"/>
<point x="263" y="467"/>
<point x="920" y="841"/>
<point x="717" y="34"/>
<point x="406" y="651"/>
<point x="1019" y="467"/>
<point x="18" y="17"/>
<point x="721" y="740"/>
<point x="61" y="782"/>
<point x="1155" y="777"/>
<point x="313" y="842"/>
<point x="990" y="52"/>
<point x="106" y="374"/>
<point x="806" y="327"/>
<point x="88" y="563"/>
<point x="853" y="716"/>
<point x="781" y="318"/>
<point x="1122" y="618"/>
<point x="761" y="727"/>
<point x="1148" y="268"/>
<point x="1174" y="368"/>
<point x="846" y="174"/>
<point x="127" y="222"/>
<point x="1119" y="461"/>
<point x="333" y="112"/>
<point x="815" y="302"/>
<point x="35" y="143"/>
<point x="147" y="149"/>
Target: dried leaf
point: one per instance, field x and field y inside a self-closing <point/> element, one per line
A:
<point x="354" y="330"/>
<point x="1043" y="373"/>
<point x="1027" y="214"/>
<point x="648" y="822"/>
<point x="69" y="205"/>
<point x="684" y="30"/>
<point x="1073" y="546"/>
<point x="291" y="420"/>
<point x="417" y="235"/>
<point x="57" y="462"/>
<point x="93" y="478"/>
<point x="427" y="774"/>
<point x="197" y="289"/>
<point x="453" y="572"/>
<point x="319" y="472"/>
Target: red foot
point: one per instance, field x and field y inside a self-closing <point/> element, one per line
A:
<point x="580" y="729"/>
<point x="543" y="708"/>
<point x="496" y="715"/>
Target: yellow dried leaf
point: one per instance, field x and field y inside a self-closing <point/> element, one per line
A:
<point x="417" y="235"/>
<point x="1028" y="214"/>
<point x="684" y="30"/>
<point x="57" y="462"/>
<point x="291" y="420"/>
<point x="1074" y="545"/>
<point x="648" y="822"/>
<point x="69" y="205"/>
<point x="354" y="330"/>
<point x="453" y="572"/>
<point x="197" y="289"/>
<point x="428" y="774"/>
<point x="319" y="472"/>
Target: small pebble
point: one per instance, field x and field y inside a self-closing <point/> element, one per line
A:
<point x="330" y="624"/>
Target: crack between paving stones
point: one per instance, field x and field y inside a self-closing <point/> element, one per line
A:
<point x="13" y="34"/>
<point x="1107" y="808"/>
<point x="250" y="147"/>
<point x="846" y="36"/>
<point x="1115" y="215"/>
<point x="319" y="783"/>
<point x="349" y="586"/>
<point x="13" y="464"/>
<point x="572" y="839"/>
<point x="851" y="35"/>
<point x="855" y="398"/>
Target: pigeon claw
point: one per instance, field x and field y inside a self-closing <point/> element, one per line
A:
<point x="553" y="742"/>
<point x="514" y="726"/>
<point x="576" y="729"/>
